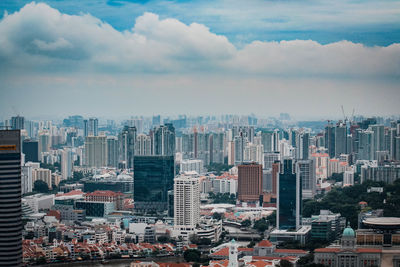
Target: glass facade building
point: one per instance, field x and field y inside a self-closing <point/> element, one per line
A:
<point x="153" y="178"/>
<point x="289" y="197"/>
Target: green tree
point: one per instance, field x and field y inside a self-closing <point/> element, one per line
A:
<point x="272" y="219"/>
<point x="192" y="255"/>
<point x="217" y="216"/>
<point x="285" y="263"/>
<point x="246" y="223"/>
<point x="40" y="186"/>
<point x="261" y="225"/>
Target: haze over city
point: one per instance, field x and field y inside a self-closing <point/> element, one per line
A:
<point x="117" y="58"/>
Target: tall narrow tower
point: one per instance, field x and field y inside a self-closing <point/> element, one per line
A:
<point x="233" y="254"/>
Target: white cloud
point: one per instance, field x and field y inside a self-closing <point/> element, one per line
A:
<point x="41" y="36"/>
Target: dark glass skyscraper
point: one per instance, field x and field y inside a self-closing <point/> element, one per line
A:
<point x="153" y="178"/>
<point x="10" y="199"/>
<point x="289" y="197"/>
<point x="31" y="150"/>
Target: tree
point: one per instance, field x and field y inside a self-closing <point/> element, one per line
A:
<point x="272" y="219"/>
<point x="285" y="263"/>
<point x="246" y="223"/>
<point x="217" y="216"/>
<point x="77" y="176"/>
<point x="261" y="225"/>
<point x="40" y="186"/>
<point x="163" y="239"/>
<point x="192" y="255"/>
<point x="251" y="244"/>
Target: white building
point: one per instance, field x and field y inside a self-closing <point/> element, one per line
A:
<point x="39" y="202"/>
<point x="186" y="204"/>
<point x="43" y="175"/>
<point x="190" y="165"/>
<point x="348" y="178"/>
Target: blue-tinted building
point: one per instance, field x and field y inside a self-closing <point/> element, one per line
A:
<point x="153" y="178"/>
<point x="289" y="196"/>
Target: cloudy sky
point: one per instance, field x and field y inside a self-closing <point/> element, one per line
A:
<point x="124" y="58"/>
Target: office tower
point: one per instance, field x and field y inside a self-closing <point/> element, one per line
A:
<point x="267" y="141"/>
<point x="31" y="150"/>
<point x="250" y="182"/>
<point x="42" y="175"/>
<point x="340" y="139"/>
<point x="10" y="199"/>
<point x="67" y="163"/>
<point x="306" y="170"/>
<point x="164" y="140"/>
<point x="154" y="177"/>
<point x="289" y="197"/>
<point x="91" y="127"/>
<point x="217" y="147"/>
<point x="330" y="140"/>
<point x="127" y="139"/>
<point x="112" y="151"/>
<point x="186" y="202"/>
<point x="143" y="145"/>
<point x="17" y="123"/>
<point x="96" y="151"/>
<point x="378" y="139"/>
<point x="156" y="120"/>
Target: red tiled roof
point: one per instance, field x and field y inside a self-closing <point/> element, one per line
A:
<point x="264" y="243"/>
<point x="222" y="252"/>
<point x="293" y="251"/>
<point x="324" y="250"/>
<point x="369" y="250"/>
<point x="108" y="193"/>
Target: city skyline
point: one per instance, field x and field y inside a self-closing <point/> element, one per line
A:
<point x="142" y="59"/>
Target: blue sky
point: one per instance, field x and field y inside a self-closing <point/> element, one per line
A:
<point x="124" y="58"/>
<point x="368" y="22"/>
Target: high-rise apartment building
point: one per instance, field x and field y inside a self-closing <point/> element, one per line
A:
<point x="127" y="140"/>
<point x="67" y="163"/>
<point x="10" y="199"/>
<point x="18" y="123"/>
<point x="143" y="145"/>
<point x="96" y="151"/>
<point x="250" y="182"/>
<point x="154" y="177"/>
<point x="164" y="140"/>
<point x="305" y="169"/>
<point x="91" y="127"/>
<point x="289" y="197"/>
<point x="340" y="139"/>
<point x="330" y="140"/>
<point x="186" y="202"/>
<point x="112" y="151"/>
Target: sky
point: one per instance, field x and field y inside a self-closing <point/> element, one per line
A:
<point x="126" y="58"/>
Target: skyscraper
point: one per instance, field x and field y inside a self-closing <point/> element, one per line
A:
<point x="154" y="177"/>
<point x="67" y="163"/>
<point x="96" y="151"/>
<point x="10" y="199"/>
<point x="31" y="150"/>
<point x="127" y="139"/>
<point x="186" y="202"/>
<point x="289" y="197"/>
<point x="250" y="182"/>
<point x="340" y="139"/>
<point x="330" y="140"/>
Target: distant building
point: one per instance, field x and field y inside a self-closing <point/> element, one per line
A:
<point x="192" y="165"/>
<point x="91" y="127"/>
<point x="112" y="151"/>
<point x="17" y="123"/>
<point x="96" y="151"/>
